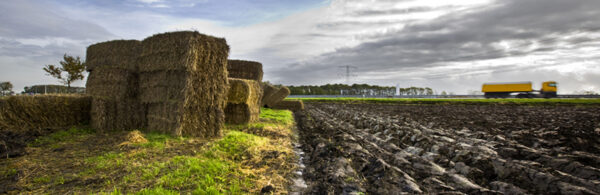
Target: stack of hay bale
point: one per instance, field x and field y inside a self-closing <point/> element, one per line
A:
<point x="173" y="82"/>
<point x="183" y="82"/>
<point x="113" y="85"/>
<point x="245" y="93"/>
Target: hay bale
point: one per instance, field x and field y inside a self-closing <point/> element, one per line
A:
<point x="109" y="114"/>
<point x="243" y="101"/>
<point x="293" y="105"/>
<point x="162" y="86"/>
<point x="268" y="91"/>
<point x="183" y="79"/>
<point x="111" y="82"/>
<point x="241" y="113"/>
<point x="163" y="117"/>
<point x="281" y="94"/>
<point x="244" y="91"/>
<point x="42" y="112"/>
<point x="245" y="70"/>
<point x="121" y="54"/>
<point x="113" y="85"/>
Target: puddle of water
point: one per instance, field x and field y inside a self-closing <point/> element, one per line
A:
<point x="299" y="185"/>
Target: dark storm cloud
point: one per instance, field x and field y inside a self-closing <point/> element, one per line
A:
<point x="37" y="19"/>
<point x="461" y="37"/>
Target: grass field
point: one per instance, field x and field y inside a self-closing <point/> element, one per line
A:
<point x="456" y="101"/>
<point x="244" y="160"/>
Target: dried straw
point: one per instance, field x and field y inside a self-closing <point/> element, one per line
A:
<point x="268" y="91"/>
<point x="121" y="54"/>
<point x="35" y="113"/>
<point x="281" y="94"/>
<point x="183" y="79"/>
<point x="245" y="70"/>
<point x="293" y="105"/>
<point x="243" y="101"/>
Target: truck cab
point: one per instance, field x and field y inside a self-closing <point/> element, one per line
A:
<point x="548" y="89"/>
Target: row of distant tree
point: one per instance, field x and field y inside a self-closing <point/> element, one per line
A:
<point x="357" y="89"/>
<point x="44" y="89"/>
<point x="6" y="89"/>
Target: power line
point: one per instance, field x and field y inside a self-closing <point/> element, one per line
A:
<point x="348" y="72"/>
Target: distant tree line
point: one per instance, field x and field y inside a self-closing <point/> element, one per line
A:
<point x="43" y="89"/>
<point x="356" y="89"/>
<point x="342" y="89"/>
<point x="416" y="91"/>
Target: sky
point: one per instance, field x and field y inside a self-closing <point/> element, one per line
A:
<point x="448" y="45"/>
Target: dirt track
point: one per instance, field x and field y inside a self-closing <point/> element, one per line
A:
<point x="455" y="149"/>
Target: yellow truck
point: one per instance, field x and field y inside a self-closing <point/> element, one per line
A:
<point x="521" y="89"/>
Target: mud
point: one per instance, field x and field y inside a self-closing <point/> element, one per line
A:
<point x="451" y="149"/>
<point x="13" y="143"/>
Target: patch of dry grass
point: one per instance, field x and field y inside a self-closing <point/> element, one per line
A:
<point x="243" y="161"/>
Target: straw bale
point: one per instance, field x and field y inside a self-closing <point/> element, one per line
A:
<point x="112" y="82"/>
<point x="184" y="50"/>
<point x="293" y="105"/>
<point x="244" y="91"/>
<point x="162" y="86"/>
<point x="243" y="101"/>
<point x="241" y="113"/>
<point x="109" y="114"/>
<point x="120" y="54"/>
<point x="268" y="91"/>
<point x="41" y="112"/>
<point x="281" y="94"/>
<point x="163" y="117"/>
<point x="245" y="70"/>
<point x="183" y="78"/>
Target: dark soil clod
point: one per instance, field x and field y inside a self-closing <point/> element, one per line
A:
<point x="450" y="149"/>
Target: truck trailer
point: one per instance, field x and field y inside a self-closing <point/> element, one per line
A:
<point x="521" y="89"/>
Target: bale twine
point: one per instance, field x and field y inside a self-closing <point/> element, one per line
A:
<point x="281" y="94"/>
<point x="243" y="101"/>
<point x="120" y="54"/>
<point x="293" y="105"/>
<point x="268" y="91"/>
<point x="39" y="112"/>
<point x="245" y="70"/>
<point x="183" y="82"/>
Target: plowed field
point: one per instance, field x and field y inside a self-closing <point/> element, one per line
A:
<point x="453" y="149"/>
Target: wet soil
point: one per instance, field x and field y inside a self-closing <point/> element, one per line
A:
<point x="13" y="143"/>
<point x="450" y="149"/>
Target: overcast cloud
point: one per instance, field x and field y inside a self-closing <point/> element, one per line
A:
<point x="449" y="46"/>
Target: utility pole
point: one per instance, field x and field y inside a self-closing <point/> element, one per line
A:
<point x="348" y="73"/>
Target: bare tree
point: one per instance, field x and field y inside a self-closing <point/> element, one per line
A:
<point x="71" y="66"/>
